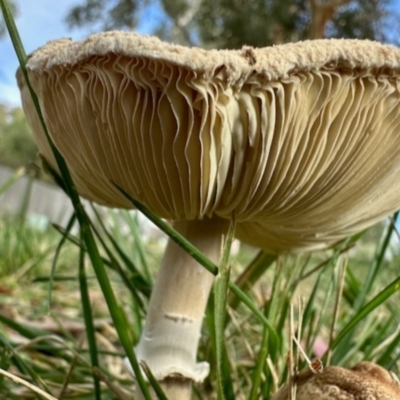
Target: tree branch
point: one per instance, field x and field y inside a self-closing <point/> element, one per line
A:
<point x="321" y="13"/>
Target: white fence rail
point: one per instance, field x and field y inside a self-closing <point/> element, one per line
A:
<point x="44" y="199"/>
<point x="48" y="203"/>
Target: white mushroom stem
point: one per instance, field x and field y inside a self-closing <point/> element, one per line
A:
<point x="172" y="330"/>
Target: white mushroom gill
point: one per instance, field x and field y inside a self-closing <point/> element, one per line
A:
<point x="301" y="156"/>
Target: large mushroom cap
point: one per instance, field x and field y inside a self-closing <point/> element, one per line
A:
<point x="300" y="141"/>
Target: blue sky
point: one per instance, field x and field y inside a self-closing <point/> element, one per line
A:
<point x="38" y="22"/>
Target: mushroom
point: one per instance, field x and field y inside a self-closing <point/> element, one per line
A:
<point x="365" y="381"/>
<point x="298" y="142"/>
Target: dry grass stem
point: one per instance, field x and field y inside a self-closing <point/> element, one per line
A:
<point x="342" y="275"/>
<point x="26" y="384"/>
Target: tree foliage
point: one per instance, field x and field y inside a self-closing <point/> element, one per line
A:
<point x="365" y="19"/>
<point x="232" y="23"/>
<point x="17" y="146"/>
<point x="111" y="14"/>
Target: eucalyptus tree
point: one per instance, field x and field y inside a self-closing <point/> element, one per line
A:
<point x="232" y="23"/>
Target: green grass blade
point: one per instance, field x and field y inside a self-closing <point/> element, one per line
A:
<point x="353" y="287"/>
<point x="372" y="272"/>
<point x="377" y="343"/>
<point x="4" y="364"/>
<point x="128" y="262"/>
<point x="23" y="210"/>
<point x="339" y="278"/>
<point x="211" y="354"/>
<point x="221" y="287"/>
<point x="309" y="308"/>
<point x="13" y="32"/>
<point x="57" y="254"/>
<point x="32" y="333"/>
<point x="378" y="300"/>
<point x="314" y="311"/>
<point x="11" y="180"/>
<point x="27" y="332"/>
<point x="117" y="313"/>
<point x="261" y="360"/>
<point x="153" y="382"/>
<point x="252" y="274"/>
<point x="134" y="283"/>
<point x="22" y="365"/>
<point x="388" y="357"/>
<point x="88" y="317"/>
<point x="180" y="240"/>
<point x="138" y="282"/>
<point x="133" y="225"/>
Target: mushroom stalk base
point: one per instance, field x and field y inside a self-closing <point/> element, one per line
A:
<point x="172" y="330"/>
<point x="173" y="388"/>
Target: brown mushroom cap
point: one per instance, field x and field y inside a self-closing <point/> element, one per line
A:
<point x="300" y="141"/>
<point x="365" y="381"/>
